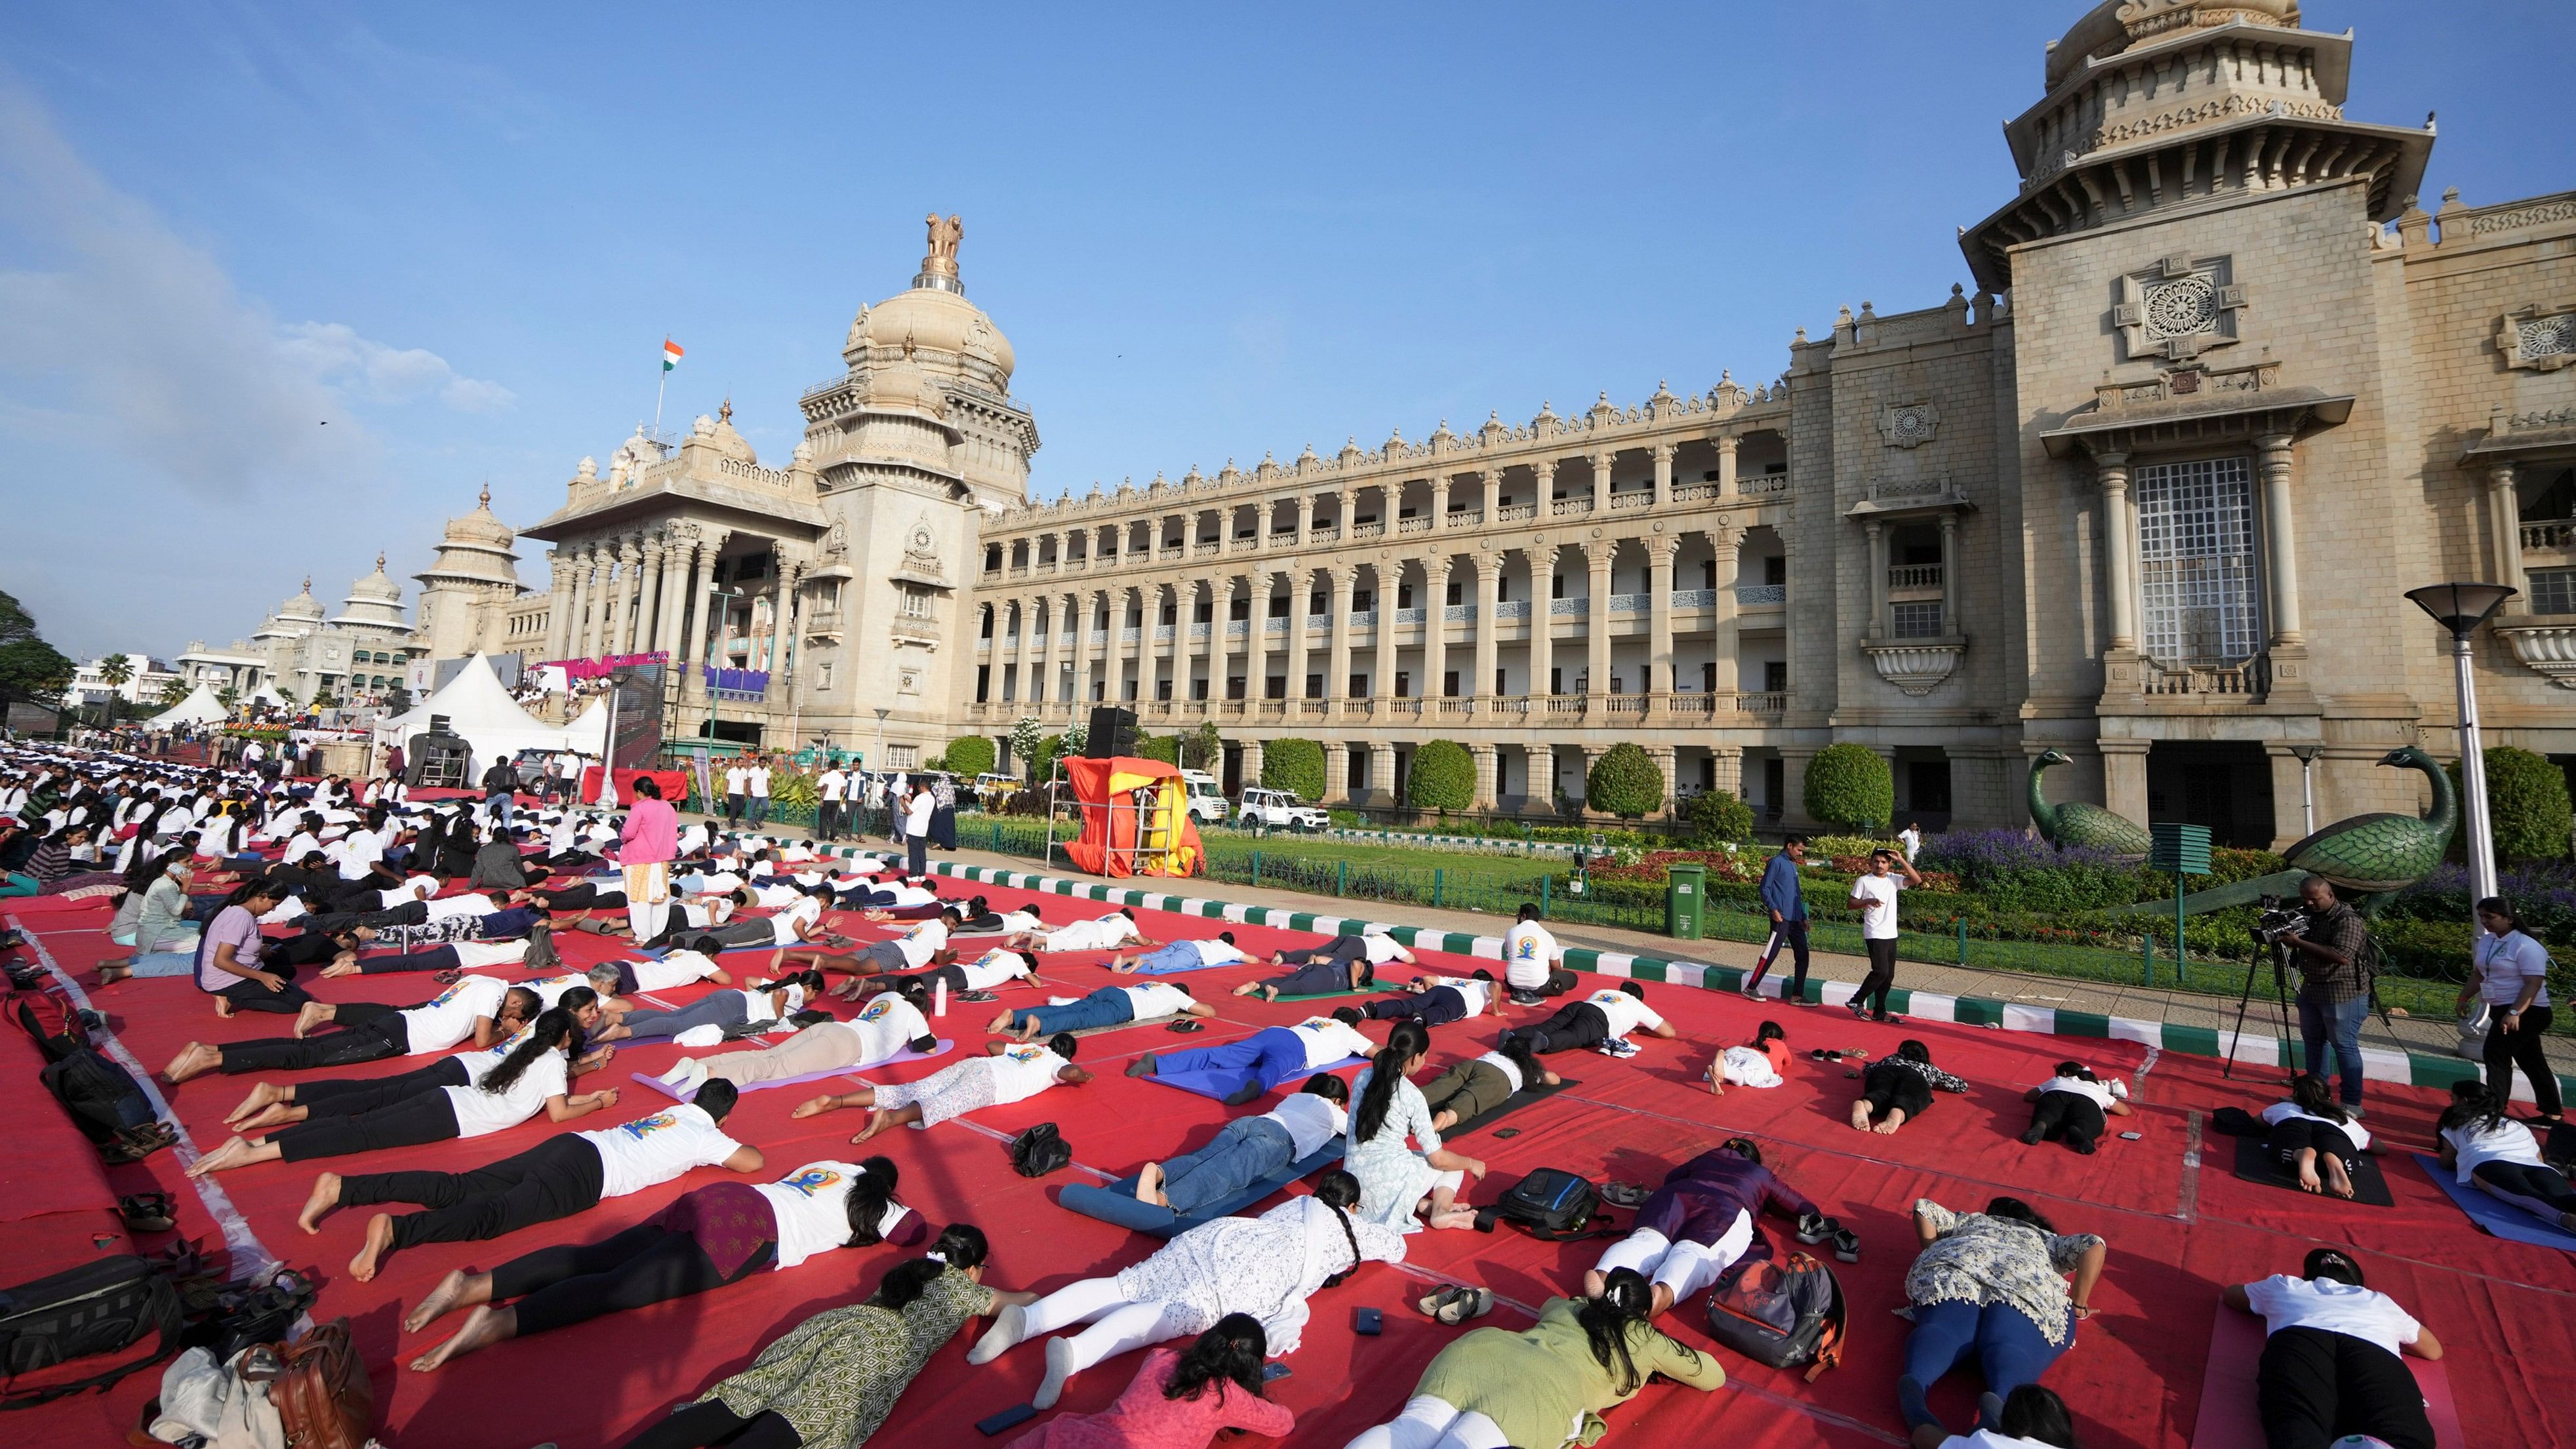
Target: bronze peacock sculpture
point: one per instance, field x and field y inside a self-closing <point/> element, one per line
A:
<point x="2076" y="823"/>
<point x="2366" y="855"/>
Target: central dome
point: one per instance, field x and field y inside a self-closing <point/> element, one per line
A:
<point x="2114" y="25"/>
<point x="931" y="325"/>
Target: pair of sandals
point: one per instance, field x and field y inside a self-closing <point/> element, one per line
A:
<point x="1817" y="1228"/>
<point x="1835" y="1054"/>
<point x="1625" y="1194"/>
<point x="1456" y="1304"/>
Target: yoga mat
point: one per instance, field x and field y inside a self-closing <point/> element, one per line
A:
<point x="2257" y="1162"/>
<point x="2227" y="1418"/>
<point x="1117" y="1202"/>
<point x="907" y="1055"/>
<point x="2500" y="1218"/>
<point x="1177" y="970"/>
<point x="1506" y="1107"/>
<point x="1198" y="1091"/>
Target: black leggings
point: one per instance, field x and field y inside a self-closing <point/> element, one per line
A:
<point x="2315" y="1386"/>
<point x="1574" y="1027"/>
<point x="2507" y="1050"/>
<point x="247" y="995"/>
<point x="1326" y="977"/>
<point x="2540" y="1190"/>
<point x="2293" y="1135"/>
<point x="436" y="958"/>
<point x="411" y="1122"/>
<point x="556" y="1178"/>
<point x="2070" y="1117"/>
<point x="1881" y="978"/>
<point x="580" y="897"/>
<point x="710" y="1424"/>
<point x="342" y="1097"/>
<point x="566" y="1284"/>
<point x="1437" y="1007"/>
<point x="1887" y="1086"/>
<point x="370" y="1033"/>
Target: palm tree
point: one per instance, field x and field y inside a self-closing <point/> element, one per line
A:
<point x="118" y="671"/>
<point x="228" y="697"/>
<point x="174" y="692"/>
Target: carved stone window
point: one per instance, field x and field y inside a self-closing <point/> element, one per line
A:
<point x="2178" y="309"/>
<point x="2540" y="338"/>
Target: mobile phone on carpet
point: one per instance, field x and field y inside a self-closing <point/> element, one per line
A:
<point x="1368" y="1321"/>
<point x="1274" y="1371"/>
<point x="1010" y="1418"/>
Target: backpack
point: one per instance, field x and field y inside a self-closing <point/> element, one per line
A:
<point x="319" y="1387"/>
<point x="98" y="1307"/>
<point x="1552" y="1205"/>
<point x="100" y="1096"/>
<point x="1040" y="1150"/>
<point x="46" y="1013"/>
<point x="1779" y="1314"/>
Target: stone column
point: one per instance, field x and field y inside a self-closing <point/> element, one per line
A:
<point x="1730" y="768"/>
<point x="1149" y="650"/>
<point x="1485" y="769"/>
<point x="1305" y="516"/>
<point x="1876" y="532"/>
<point x="2124" y="779"/>
<point x="1027" y="673"/>
<point x="2282" y="533"/>
<point x="1541" y="759"/>
<point x="1949" y="573"/>
<point x="1337" y="771"/>
<point x="1663" y="474"/>
<point x="1542" y="644"/>
<point x="1591" y="756"/>
<point x="1492" y="479"/>
<point x="2504" y="520"/>
<point x="1382" y="771"/>
<point x="652" y="628"/>
<point x="1726" y="445"/>
<point x="790" y="624"/>
<point x="1040" y="676"/>
<point x="1489" y="591"/>
<point x="693" y="617"/>
<point x="2111" y="470"/>
<point x="1601" y="462"/>
<point x="1080" y="695"/>
<point x="577" y="612"/>
<point x="1344" y="503"/>
<point x="1663" y="758"/>
<point x="1597" y="555"/>
<point x="630" y="594"/>
<point x="1435" y="632"/>
<point x="1251" y="761"/>
<point x="1301" y="584"/>
<point x="1543" y="477"/>
<point x="1114" y="692"/>
<point x="1439" y="502"/>
<point x="558" y="602"/>
<point x="1337" y="669"/>
<point x="1221" y="645"/>
<point x="1793" y="788"/>
<point x="1390" y="587"/>
<point x="1659" y="682"/>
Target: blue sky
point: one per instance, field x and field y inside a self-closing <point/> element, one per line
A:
<point x="283" y="284"/>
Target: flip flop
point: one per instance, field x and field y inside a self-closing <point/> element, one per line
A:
<point x="1183" y="1027"/>
<point x="1624" y="1194"/>
<point x="1472" y="1303"/>
<point x="1436" y="1303"/>
<point x="1847" y="1246"/>
<point x="1816" y="1227"/>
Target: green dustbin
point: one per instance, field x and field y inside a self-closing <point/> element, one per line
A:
<point x="1684" y="899"/>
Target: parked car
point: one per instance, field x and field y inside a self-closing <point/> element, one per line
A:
<point x="1207" y="800"/>
<point x="1278" y="810"/>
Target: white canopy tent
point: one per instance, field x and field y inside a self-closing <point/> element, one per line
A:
<point x="482" y="713"/>
<point x="200" y="707"/>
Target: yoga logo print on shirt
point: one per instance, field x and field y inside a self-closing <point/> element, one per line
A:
<point x="811" y="1180"/>
<point x="643" y="1127"/>
<point x="444" y="997"/>
<point x="1027" y="1054"/>
<point x="876" y="1011"/>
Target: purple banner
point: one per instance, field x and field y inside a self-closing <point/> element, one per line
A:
<point x="737" y="681"/>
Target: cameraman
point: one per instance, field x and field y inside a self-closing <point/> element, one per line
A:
<point x="2334" y="989"/>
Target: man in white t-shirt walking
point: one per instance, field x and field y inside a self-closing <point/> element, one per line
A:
<point x="829" y="790"/>
<point x="756" y="785"/>
<point x="737" y="778"/>
<point x="916" y="830"/>
<point x="1874" y="896"/>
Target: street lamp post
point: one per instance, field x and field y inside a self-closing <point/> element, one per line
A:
<point x="2306" y="755"/>
<point x="877" y="758"/>
<point x="2461" y="608"/>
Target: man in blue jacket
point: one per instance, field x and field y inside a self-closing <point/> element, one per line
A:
<point x="1788" y="907"/>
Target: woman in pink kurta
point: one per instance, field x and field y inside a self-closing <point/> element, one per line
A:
<point x="645" y="850"/>
<point x="1180" y="1399"/>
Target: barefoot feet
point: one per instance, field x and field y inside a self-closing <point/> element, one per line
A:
<point x="380" y="1241"/>
<point x="323" y="1201"/>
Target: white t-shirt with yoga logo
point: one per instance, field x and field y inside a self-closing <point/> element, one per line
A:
<point x="812" y="1207"/>
<point x="1023" y="1072"/>
<point x="635" y="1155"/>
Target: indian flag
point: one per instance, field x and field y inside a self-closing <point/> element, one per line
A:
<point x="670" y="354"/>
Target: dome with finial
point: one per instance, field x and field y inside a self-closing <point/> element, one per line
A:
<point x="374" y="604"/>
<point x="725" y="440"/>
<point x="475" y="550"/>
<point x="932" y="323"/>
<point x="303" y="605"/>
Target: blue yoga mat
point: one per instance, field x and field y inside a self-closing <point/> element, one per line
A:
<point x="1117" y="1202"/>
<point x="2500" y="1218"/>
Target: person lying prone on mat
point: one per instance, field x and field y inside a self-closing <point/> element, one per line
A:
<point x="1344" y="963"/>
<point x="757" y="1000"/>
<point x="1235" y="1072"/>
<point x="1898" y="1088"/>
<point x="2069" y="1106"/>
<point x="280" y="1104"/>
<point x="461" y="956"/>
<point x="2033" y="1418"/>
<point x="581" y="895"/>
<point x="923" y="945"/>
<point x="1440" y="1000"/>
<point x="1266" y="1266"/>
<point x="1694" y="1227"/>
<point x="891" y="1022"/>
<point x="2484" y="1146"/>
<point x="883" y="894"/>
<point x="1008" y="1072"/>
<point x="1181" y="1399"/>
<point x="1608" y="1015"/>
<point x="1107" y="1006"/>
<point x="709" y="1237"/>
<point x="1250" y="1149"/>
<point x="1761" y="1062"/>
<point x="830" y="1381"/>
<point x="1100" y="933"/>
<point x="534" y="1075"/>
<point x="1478" y="1085"/>
<point x="469" y="1010"/>
<point x="1546" y="1384"/>
<point x="1183" y="956"/>
<point x="2330" y="1366"/>
<point x="2317" y="1135"/>
<point x="1992" y="1287"/>
<point x="993" y="968"/>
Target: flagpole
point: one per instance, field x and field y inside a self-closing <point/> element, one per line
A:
<point x="658" y="389"/>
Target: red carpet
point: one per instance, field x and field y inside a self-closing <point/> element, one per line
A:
<point x="2178" y="1231"/>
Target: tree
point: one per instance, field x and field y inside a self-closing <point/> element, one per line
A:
<point x="1296" y="766"/>
<point x="1717" y="818"/>
<point x="1442" y="777"/>
<point x="1049" y="749"/>
<point x="1024" y="744"/>
<point x="175" y="691"/>
<point x="1166" y="748"/>
<point x="1206" y="748"/>
<point x="30" y="668"/>
<point x="228" y="697"/>
<point x="970" y="755"/>
<point x="324" y="699"/>
<point x="1850" y="785"/>
<point x="2527" y="805"/>
<point x="118" y="671"/>
<point x="16" y="624"/>
<point x="1625" y="782"/>
<point x="1077" y="736"/>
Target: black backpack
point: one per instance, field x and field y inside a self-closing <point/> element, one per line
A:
<point x="96" y="1308"/>
<point x="101" y="1096"/>
<point x="1550" y="1204"/>
<point x="1040" y="1150"/>
<point x="1780" y="1314"/>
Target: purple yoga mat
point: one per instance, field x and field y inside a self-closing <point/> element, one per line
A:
<point x="907" y="1055"/>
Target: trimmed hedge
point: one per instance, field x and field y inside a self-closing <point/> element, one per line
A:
<point x="2527" y="806"/>
<point x="970" y="755"/>
<point x="1850" y="785"/>
<point x="1625" y="782"/>
<point x="1717" y="817"/>
<point x="1166" y="748"/>
<point x="1294" y="765"/>
<point x="1441" y="777"/>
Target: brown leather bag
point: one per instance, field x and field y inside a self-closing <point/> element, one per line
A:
<point x="320" y="1390"/>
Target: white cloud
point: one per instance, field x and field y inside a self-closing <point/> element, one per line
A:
<point x="333" y="354"/>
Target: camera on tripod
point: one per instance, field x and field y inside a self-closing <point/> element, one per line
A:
<point x="2279" y="920"/>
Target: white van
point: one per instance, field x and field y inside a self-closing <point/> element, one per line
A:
<point x="1207" y="802"/>
<point x="1278" y="810"/>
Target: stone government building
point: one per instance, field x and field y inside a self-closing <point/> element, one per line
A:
<point x="2151" y="496"/>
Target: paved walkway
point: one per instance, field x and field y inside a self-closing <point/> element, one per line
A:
<point x="2415" y="1037"/>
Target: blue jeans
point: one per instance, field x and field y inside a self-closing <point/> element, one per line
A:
<point x="759" y="810"/>
<point x="1249" y="1150"/>
<point x="1178" y="956"/>
<point x="1106" y="1007"/>
<point x="2319" y="1021"/>
<point x="2008" y="1347"/>
<point x="1263" y="1060"/>
<point x="164" y="963"/>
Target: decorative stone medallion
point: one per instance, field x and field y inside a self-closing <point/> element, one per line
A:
<point x="2540" y="338"/>
<point x="2178" y="309"/>
<point x="1908" y="424"/>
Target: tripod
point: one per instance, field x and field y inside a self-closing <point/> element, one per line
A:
<point x="2279" y="955"/>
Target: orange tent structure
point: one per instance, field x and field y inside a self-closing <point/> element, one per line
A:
<point x="1135" y="818"/>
